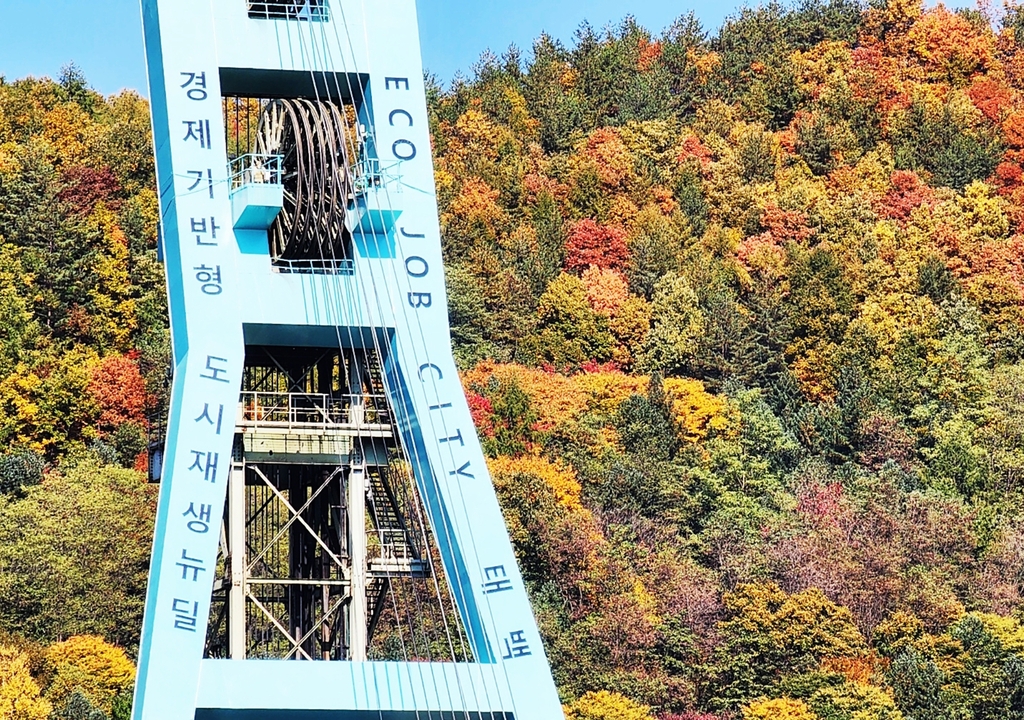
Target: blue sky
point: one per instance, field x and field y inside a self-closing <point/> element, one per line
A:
<point x="104" y="36"/>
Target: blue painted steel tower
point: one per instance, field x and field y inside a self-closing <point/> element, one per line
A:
<point x="328" y="541"/>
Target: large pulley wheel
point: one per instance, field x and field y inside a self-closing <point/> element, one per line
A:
<point x="311" y="139"/>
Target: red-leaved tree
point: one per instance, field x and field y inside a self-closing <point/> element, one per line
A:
<point x="119" y="389"/>
<point x="908" y="191"/>
<point x="591" y="244"/>
<point x="83" y="187"/>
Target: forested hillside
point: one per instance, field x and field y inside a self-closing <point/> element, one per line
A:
<point x="741" y="319"/>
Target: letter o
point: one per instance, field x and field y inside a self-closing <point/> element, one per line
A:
<point x="411" y="152"/>
<point x="416" y="259"/>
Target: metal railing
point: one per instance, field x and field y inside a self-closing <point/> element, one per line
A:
<point x="255" y="169"/>
<point x="308" y="10"/>
<point x="312" y="411"/>
<point x="393" y="544"/>
<point x="328" y="266"/>
<point x="371" y="174"/>
<point x="389" y="553"/>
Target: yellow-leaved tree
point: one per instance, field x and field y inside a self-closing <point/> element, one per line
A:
<point x="88" y="663"/>
<point x="115" y="319"/>
<point x="778" y="709"/>
<point x="606" y="705"/>
<point x="697" y="413"/>
<point x="19" y="692"/>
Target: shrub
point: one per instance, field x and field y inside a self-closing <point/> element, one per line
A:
<point x="89" y="665"/>
<point x="606" y="705"/>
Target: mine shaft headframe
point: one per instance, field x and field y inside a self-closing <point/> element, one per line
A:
<point x="313" y="139"/>
<point x="249" y="57"/>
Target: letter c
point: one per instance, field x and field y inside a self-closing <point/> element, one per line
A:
<point x="431" y="366"/>
<point x="391" y="117"/>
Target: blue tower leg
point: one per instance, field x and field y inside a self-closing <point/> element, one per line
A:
<point x="226" y="295"/>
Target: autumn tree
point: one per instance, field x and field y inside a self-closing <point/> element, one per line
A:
<point x="778" y="709"/>
<point x="606" y="706"/>
<point x="768" y="633"/>
<point x="88" y="665"/>
<point x="677" y="322"/>
<point x="83" y="570"/>
<point x="19" y="693"/>
<point x="589" y="244"/>
<point x="570" y="332"/>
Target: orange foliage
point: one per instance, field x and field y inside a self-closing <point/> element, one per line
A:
<point x="861" y="669"/>
<point x="949" y="46"/>
<point x="954" y="248"/>
<point x="1015" y="210"/>
<point x="649" y="52"/>
<point x="787" y="137"/>
<point x="606" y="290"/>
<point x="1002" y="258"/>
<point x="694" y="150"/>
<point x="992" y="98"/>
<point x="591" y="244"/>
<point x="67" y="129"/>
<point x="141" y="464"/>
<point x="705" y="63"/>
<point x="477" y="134"/>
<point x="763" y="255"/>
<point x="477" y="202"/>
<point x="875" y="78"/>
<point x="535" y="184"/>
<point x="557" y="398"/>
<point x="1007" y="177"/>
<point x="119" y="389"/>
<point x="664" y="200"/>
<point x="765" y="252"/>
<point x="786" y="225"/>
<point x="611" y="156"/>
<point x="1013" y="130"/>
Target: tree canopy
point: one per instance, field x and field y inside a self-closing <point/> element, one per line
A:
<point x="740" y="317"/>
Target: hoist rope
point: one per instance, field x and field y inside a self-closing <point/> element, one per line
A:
<point x="320" y="196"/>
<point x="340" y="296"/>
<point x="473" y="548"/>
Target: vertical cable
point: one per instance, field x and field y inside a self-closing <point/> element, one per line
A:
<point x="360" y="527"/>
<point x="345" y="299"/>
<point x="429" y="419"/>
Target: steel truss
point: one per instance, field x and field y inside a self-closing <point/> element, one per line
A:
<point x="310" y="550"/>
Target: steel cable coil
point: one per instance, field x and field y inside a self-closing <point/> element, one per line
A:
<point x="312" y="140"/>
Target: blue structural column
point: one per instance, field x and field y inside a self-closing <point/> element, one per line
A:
<point x="208" y="349"/>
<point x="224" y="291"/>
